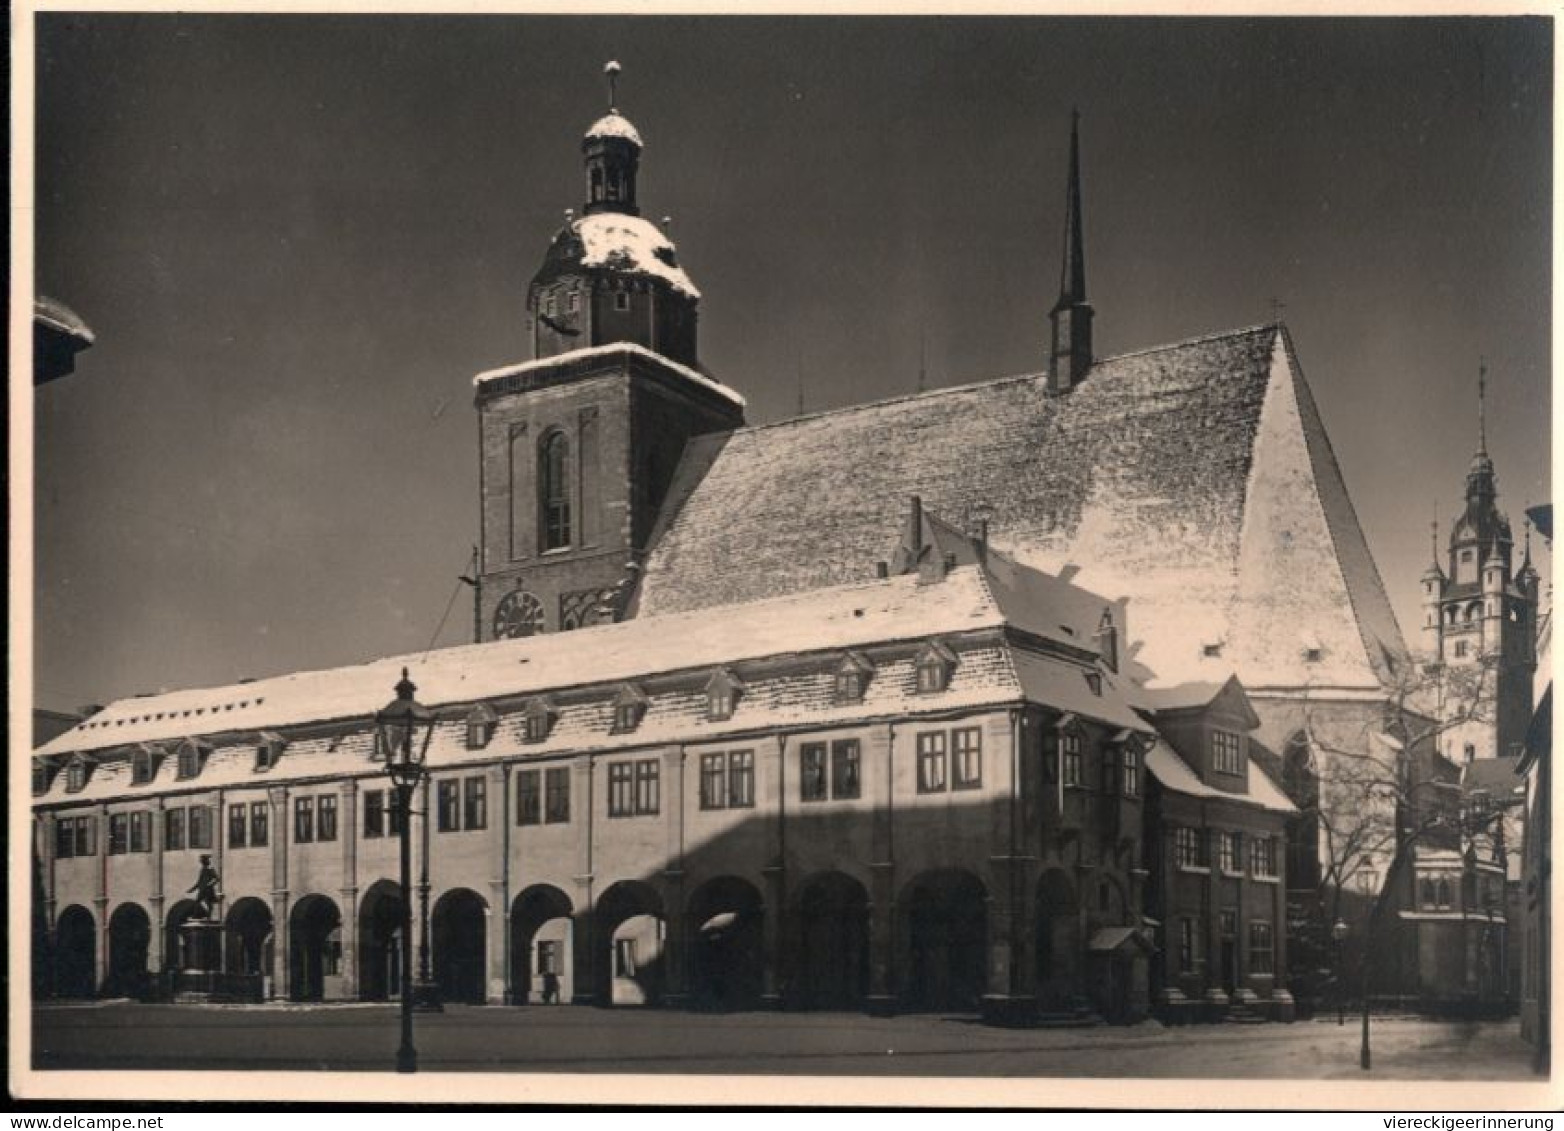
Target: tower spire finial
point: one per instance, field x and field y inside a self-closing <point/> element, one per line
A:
<point x="1482" y="404"/>
<point x="1072" y="282"/>
<point x="1434" y="528"/>
<point x="1071" y="355"/>
<point x="612" y="69"/>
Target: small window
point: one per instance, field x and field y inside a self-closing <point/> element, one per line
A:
<point x="1129" y="777"/>
<point x="648" y="800"/>
<point x="303" y="820"/>
<point x="1211" y="651"/>
<point x="1188" y="848"/>
<point x="481" y="724"/>
<point x="714" y="781"/>
<point x="260" y="816"/>
<point x="1094" y="683"/>
<point x="1443" y="900"/>
<point x="475" y="802"/>
<point x="189" y="761"/>
<point x="173" y="830"/>
<point x="1188" y="945"/>
<point x="573" y="303"/>
<point x="374" y="813"/>
<point x="741" y="779"/>
<point x="537" y="725"/>
<point x="621" y="300"/>
<point x="267" y="754"/>
<point x="119" y="833"/>
<point x="76" y="776"/>
<point x="238" y="827"/>
<point x="811" y="772"/>
<point x="1460" y="649"/>
<point x="201" y="820"/>
<point x="141" y="767"/>
<point x="621" y="789"/>
<point x="1262" y="950"/>
<point x="326" y="817"/>
<point x="933" y="675"/>
<point x="141" y="831"/>
<point x="849" y="686"/>
<point x="931" y="762"/>
<point x="719" y="705"/>
<point x="1312" y="655"/>
<point x="529" y="798"/>
<point x="1070" y="757"/>
<point x="1262" y="856"/>
<point x="556" y="797"/>
<point x="966" y="758"/>
<point x="1230" y="855"/>
<point x="1227" y="752"/>
<point x="449" y="810"/>
<point x="845" y="781"/>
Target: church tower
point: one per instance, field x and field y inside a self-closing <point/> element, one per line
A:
<point x="1071" y="353"/>
<point x="579" y="446"/>
<point x="1480" y="620"/>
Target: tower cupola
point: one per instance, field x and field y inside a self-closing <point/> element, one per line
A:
<point x="609" y="275"/>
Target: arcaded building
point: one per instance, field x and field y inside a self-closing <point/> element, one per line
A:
<point x="747" y="723"/>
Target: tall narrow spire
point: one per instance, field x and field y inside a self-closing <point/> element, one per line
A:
<point x="1482" y="405"/>
<point x="1072" y="279"/>
<point x="611" y="69"/>
<point x="1071" y="353"/>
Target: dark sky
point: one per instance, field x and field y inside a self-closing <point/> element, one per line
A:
<point x="297" y="238"/>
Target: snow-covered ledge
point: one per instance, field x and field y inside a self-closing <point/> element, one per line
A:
<point x="610" y="350"/>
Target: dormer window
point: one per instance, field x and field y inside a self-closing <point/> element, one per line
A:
<point x="191" y="757"/>
<point x="142" y="766"/>
<point x="268" y="751"/>
<point x="481" y="724"/>
<point x="1227" y="752"/>
<point x="43" y="775"/>
<point x="537" y="721"/>
<point x="1094" y="683"/>
<point x="1129" y="770"/>
<point x="722" y="694"/>
<point x="76" y="775"/>
<point x="629" y="707"/>
<point x="851" y="677"/>
<point x="933" y="666"/>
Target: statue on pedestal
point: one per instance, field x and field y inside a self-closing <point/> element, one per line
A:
<point x="207" y="888"/>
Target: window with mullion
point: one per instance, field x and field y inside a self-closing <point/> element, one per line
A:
<point x="119" y="833"/>
<point x="556" y="795"/>
<point x="1070" y="756"/>
<point x="449" y="809"/>
<point x="648" y="783"/>
<point x="475" y="802"/>
<point x="529" y="799"/>
<point x="173" y="830"/>
<point x="1187" y="848"/>
<point x="374" y="813"/>
<point x="260" y="818"/>
<point x="141" y="831"/>
<point x="1262" y="950"/>
<point x="201" y="819"/>
<point x="741" y="779"/>
<point x="621" y="789"/>
<point x="238" y="827"/>
<point x="845" y="769"/>
<point x="931" y="762"/>
<point x="811" y="772"/>
<point x="326" y="817"/>
<point x="303" y="820"/>
<point x="714" y="781"/>
<point x="966" y="758"/>
<point x="64" y="838"/>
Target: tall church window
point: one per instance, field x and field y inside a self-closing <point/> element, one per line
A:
<point x="554" y="490"/>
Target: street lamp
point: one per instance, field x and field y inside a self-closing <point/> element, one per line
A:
<point x="403" y="729"/>
<point x="1338" y="932"/>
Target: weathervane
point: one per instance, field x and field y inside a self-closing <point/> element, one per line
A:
<point x="1482" y="407"/>
<point x="612" y="69"/>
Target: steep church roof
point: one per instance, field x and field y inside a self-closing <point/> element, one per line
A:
<point x="1194" y="479"/>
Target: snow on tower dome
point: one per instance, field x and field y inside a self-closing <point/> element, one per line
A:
<point x="632" y="246"/>
<point x="614" y="124"/>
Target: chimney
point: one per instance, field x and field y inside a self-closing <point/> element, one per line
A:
<point x="914" y="536"/>
<point x="1108" y="639"/>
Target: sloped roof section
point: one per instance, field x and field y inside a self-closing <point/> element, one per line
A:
<point x="1195" y="480"/>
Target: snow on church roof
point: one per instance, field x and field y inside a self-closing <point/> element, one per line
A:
<point x="1193" y="479"/>
<point x="871" y="612"/>
<point x="609" y="350"/>
<point x="614" y="124"/>
<point x="619" y="242"/>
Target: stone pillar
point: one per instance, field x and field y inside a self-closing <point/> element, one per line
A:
<point x="100" y="902"/>
<point x="100" y="961"/>
<point x="281" y="840"/>
<point x="499" y="990"/>
<point x="771" y="796"/>
<point x="347" y="835"/>
<point x="879" y="776"/>
<point x="676" y="947"/>
<point x="588" y="974"/>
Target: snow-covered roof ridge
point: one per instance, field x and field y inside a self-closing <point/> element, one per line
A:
<point x="619" y="242"/>
<point x="609" y="350"/>
<point x="615" y="124"/>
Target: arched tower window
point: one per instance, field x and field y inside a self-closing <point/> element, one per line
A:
<point x="554" y="490"/>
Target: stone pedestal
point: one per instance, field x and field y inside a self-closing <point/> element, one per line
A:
<point x="200" y="946"/>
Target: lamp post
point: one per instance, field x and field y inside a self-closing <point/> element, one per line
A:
<point x="1338" y="932"/>
<point x="403" y="729"/>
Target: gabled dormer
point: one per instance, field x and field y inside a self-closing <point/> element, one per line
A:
<point x="481" y="723"/>
<point x="723" y="691"/>
<point x="191" y="758"/>
<point x="851" y="678"/>
<point x="630" y="704"/>
<point x="934" y="664"/>
<point x="1208" y="725"/>
<point x="145" y="758"/>
<point x="269" y="746"/>
<point x="78" y="772"/>
<point x="537" y="719"/>
<point x="43" y="775"/>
